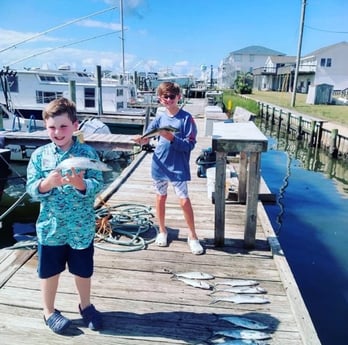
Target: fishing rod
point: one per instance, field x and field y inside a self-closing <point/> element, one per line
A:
<point x="56" y="28"/>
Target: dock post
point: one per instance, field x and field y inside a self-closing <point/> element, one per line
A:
<point x="272" y="116"/>
<point x="312" y="137"/>
<point x="299" y="128"/>
<point x="220" y="178"/>
<point x="288" y="122"/>
<point x="319" y="134"/>
<point x="333" y="150"/>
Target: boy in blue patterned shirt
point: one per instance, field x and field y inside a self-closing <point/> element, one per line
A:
<point x="66" y="223"/>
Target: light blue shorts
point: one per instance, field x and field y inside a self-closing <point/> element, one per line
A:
<point x="180" y="188"/>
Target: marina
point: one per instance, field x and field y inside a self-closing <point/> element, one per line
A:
<point x="140" y="301"/>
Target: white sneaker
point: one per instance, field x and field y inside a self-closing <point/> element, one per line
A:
<point x="195" y="247"/>
<point x="161" y="239"/>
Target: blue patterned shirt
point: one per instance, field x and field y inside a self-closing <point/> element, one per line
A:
<point x="66" y="214"/>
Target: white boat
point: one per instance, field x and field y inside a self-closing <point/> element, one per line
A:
<point x="27" y="92"/>
<point x="184" y="81"/>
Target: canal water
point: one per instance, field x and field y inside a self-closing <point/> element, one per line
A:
<point x="310" y="218"/>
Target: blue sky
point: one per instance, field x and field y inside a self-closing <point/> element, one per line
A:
<point x="178" y="35"/>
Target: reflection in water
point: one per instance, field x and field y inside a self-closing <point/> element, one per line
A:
<point x="312" y="216"/>
<point x="311" y="158"/>
<point x="280" y="196"/>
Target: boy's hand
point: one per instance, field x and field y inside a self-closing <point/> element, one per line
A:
<point x="75" y="179"/>
<point x="166" y="134"/>
<point x="55" y="179"/>
<point x="139" y="140"/>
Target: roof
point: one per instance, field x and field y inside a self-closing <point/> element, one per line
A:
<point x="282" y="59"/>
<point x="324" y="49"/>
<point x="257" y="50"/>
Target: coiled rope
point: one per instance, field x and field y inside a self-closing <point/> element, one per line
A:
<point x="132" y="221"/>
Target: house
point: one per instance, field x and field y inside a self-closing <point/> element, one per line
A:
<point x="329" y="66"/>
<point x="277" y="74"/>
<point x="325" y="66"/>
<point x="243" y="60"/>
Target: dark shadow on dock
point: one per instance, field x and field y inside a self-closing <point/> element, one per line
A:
<point x="192" y="328"/>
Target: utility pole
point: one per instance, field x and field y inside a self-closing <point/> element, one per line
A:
<point x="298" y="58"/>
<point x="122" y="40"/>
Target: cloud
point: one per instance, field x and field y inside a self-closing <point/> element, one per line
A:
<point x="98" y="24"/>
<point x="15" y="38"/>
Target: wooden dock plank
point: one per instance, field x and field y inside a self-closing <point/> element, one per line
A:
<point x="140" y="301"/>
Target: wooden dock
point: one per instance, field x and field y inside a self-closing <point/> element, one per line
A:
<point x="22" y="144"/>
<point x="140" y="302"/>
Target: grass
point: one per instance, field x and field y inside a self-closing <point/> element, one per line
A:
<point x="332" y="113"/>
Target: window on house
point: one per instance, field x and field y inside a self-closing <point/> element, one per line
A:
<point x="325" y="62"/>
<point x="237" y="57"/>
<point x="251" y="57"/>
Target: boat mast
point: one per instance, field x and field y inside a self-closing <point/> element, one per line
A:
<point x="122" y="41"/>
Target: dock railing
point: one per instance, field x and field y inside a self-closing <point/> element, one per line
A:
<point x="307" y="128"/>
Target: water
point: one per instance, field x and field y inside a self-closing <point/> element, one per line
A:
<point x="310" y="219"/>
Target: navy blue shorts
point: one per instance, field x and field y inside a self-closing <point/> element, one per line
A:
<point x="53" y="260"/>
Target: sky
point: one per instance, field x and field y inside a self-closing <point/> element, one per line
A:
<point x="178" y="36"/>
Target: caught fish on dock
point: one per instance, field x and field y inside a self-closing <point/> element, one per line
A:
<point x="247" y="334"/>
<point x="241" y="299"/>
<point x="195" y="283"/>
<point x="194" y="275"/>
<point x="82" y="163"/>
<point x="238" y="282"/>
<point x="156" y="131"/>
<point x="244" y="322"/>
<point x="241" y="342"/>
<point x="242" y="290"/>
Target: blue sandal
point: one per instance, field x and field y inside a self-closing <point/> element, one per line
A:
<point x="57" y="322"/>
<point x="91" y="317"/>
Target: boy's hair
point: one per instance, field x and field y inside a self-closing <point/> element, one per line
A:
<point x="58" y="107"/>
<point x="168" y="87"/>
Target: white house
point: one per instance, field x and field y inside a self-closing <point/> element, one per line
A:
<point x="242" y="60"/>
<point x="328" y="66"/>
<point x="325" y="66"/>
<point x="275" y="71"/>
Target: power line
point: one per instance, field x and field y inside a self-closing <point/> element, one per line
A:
<point x="56" y="28"/>
<point x="330" y="31"/>
<point x="63" y="46"/>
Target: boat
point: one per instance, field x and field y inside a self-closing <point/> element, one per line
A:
<point x="184" y="81"/>
<point x="26" y="92"/>
<point x="4" y="169"/>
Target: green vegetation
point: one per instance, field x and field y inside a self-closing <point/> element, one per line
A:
<point x="244" y="83"/>
<point x="333" y="113"/>
<point x="232" y="100"/>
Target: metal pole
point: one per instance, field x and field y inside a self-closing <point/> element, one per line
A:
<point x="293" y="99"/>
<point x="122" y="40"/>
